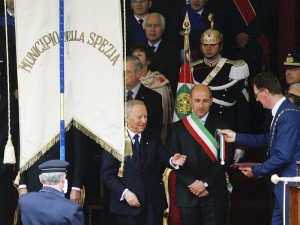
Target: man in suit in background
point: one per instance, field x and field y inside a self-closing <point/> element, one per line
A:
<point x="134" y="27"/>
<point x="49" y="206"/>
<point x="138" y="196"/>
<point x="136" y="90"/>
<point x="201" y="188"/>
<point x="166" y="59"/>
<point x="245" y="37"/>
<point x="282" y="142"/>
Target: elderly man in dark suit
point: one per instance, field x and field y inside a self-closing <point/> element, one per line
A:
<point x="136" y="90"/>
<point x="282" y="142"/>
<point x="138" y="197"/>
<point x="49" y="206"/>
<point x="166" y="59"/>
<point x="201" y="189"/>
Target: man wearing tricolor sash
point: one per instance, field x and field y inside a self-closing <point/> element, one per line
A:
<point x="201" y="189"/>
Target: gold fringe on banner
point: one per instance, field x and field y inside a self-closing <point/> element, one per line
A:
<point x="127" y="152"/>
<point x="39" y="154"/>
<point x="98" y="140"/>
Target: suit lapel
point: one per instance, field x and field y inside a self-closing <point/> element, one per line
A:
<point x="274" y="122"/>
<point x="140" y="94"/>
<point x="210" y="124"/>
<point x="144" y="149"/>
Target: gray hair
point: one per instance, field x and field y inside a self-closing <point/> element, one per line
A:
<point x="131" y="103"/>
<point x="137" y="62"/>
<point x="162" y="19"/>
<point x="52" y="178"/>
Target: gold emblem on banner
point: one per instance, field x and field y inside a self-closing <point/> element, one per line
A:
<point x="183" y="105"/>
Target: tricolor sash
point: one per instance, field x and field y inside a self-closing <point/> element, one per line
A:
<point x="202" y="135"/>
<point x="246" y="10"/>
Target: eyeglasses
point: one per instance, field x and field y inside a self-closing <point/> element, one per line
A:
<point x="255" y="95"/>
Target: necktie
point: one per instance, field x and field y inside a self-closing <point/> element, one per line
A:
<point x="153" y="48"/>
<point x="141" y="22"/>
<point x="129" y="95"/>
<point x="136" y="144"/>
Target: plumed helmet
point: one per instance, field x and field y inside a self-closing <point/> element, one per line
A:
<point x="211" y="36"/>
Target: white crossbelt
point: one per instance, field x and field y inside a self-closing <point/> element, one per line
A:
<point x="223" y="103"/>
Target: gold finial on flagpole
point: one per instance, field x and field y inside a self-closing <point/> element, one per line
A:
<point x="211" y="20"/>
<point x="186" y="26"/>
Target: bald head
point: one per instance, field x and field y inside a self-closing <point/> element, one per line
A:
<point x="201" y="100"/>
<point x="201" y="88"/>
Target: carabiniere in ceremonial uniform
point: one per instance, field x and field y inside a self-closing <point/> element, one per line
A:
<point x="228" y="81"/>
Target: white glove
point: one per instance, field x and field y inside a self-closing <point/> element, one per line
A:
<point x="238" y="155"/>
<point x="65" y="189"/>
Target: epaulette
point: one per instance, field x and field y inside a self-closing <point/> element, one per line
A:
<point x="239" y="71"/>
<point x="196" y="62"/>
<point x="238" y="62"/>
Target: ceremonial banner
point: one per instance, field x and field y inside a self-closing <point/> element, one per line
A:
<point x="93" y="73"/>
<point x="182" y="106"/>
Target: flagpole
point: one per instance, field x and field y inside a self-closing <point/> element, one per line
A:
<point x="61" y="81"/>
<point x="186" y="45"/>
<point x="182" y="106"/>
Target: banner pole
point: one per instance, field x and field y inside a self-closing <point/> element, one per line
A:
<point x="61" y="80"/>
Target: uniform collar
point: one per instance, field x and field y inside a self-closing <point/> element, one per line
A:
<point x="212" y="63"/>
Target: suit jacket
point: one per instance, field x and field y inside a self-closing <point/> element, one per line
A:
<point x="49" y="207"/>
<point x="283" y="142"/>
<point x="234" y="24"/>
<point x="142" y="175"/>
<point x="134" y="32"/>
<point x="153" y="102"/>
<point x="166" y="60"/>
<point x="199" y="166"/>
